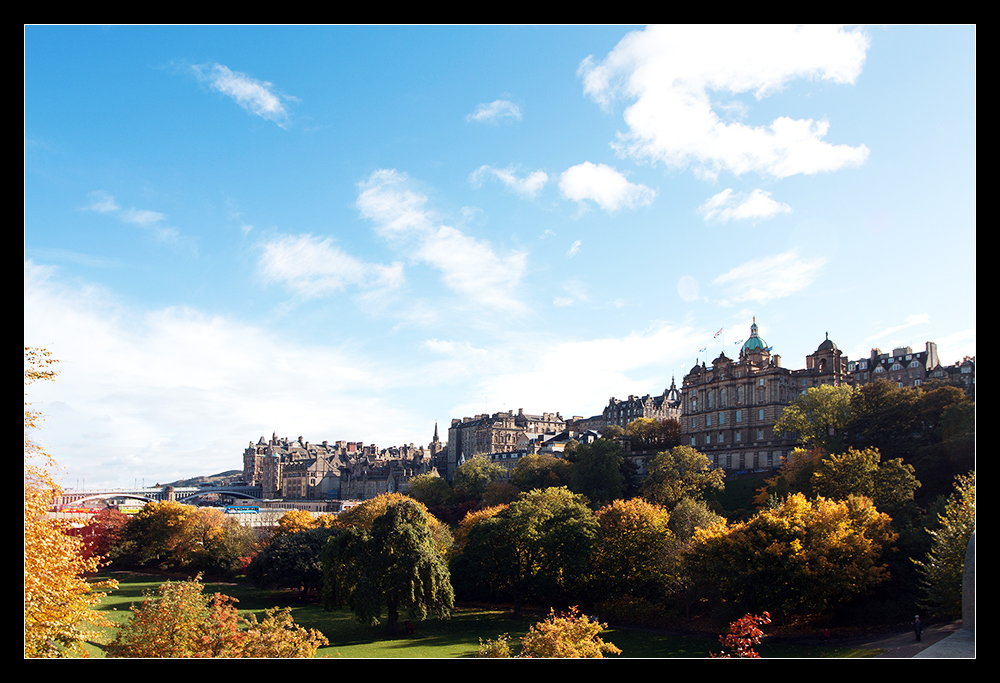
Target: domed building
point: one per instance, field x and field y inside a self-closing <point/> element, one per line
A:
<point x="729" y="409"/>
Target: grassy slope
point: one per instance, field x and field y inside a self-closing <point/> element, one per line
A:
<point x="452" y="638"/>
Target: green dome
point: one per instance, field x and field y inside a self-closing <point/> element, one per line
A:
<point x="754" y="343"/>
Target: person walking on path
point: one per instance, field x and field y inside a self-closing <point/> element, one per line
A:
<point x="918" y="628"/>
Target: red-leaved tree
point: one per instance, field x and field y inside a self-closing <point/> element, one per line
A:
<point x="743" y="635"/>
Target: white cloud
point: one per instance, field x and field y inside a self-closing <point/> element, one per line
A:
<point x="528" y="186"/>
<point x="495" y="112"/>
<point x="314" y="267"/>
<point x="728" y="205"/>
<point x="616" y="366"/>
<point x="770" y="277"/>
<point x="257" y="97"/>
<point x="603" y="185"/>
<point x="573" y="249"/>
<point x="102" y="202"/>
<point x="468" y="266"/>
<point x="911" y="320"/>
<point x="166" y="393"/>
<point x="667" y="74"/>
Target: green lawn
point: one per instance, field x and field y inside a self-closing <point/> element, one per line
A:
<point x="450" y="638"/>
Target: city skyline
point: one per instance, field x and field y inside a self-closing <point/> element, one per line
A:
<point x="351" y="233"/>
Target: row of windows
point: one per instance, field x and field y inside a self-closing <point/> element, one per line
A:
<point x="755" y="460"/>
<point x="720" y="438"/>
<point x="720" y="418"/>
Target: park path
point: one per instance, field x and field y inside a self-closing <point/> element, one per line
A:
<point x="905" y="646"/>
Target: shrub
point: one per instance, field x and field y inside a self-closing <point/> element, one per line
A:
<point x="181" y="621"/>
<point x="564" y="634"/>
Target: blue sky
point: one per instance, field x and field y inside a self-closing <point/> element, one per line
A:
<point x="356" y="232"/>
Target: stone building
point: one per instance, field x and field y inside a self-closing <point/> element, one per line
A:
<point x="729" y="409"/>
<point x="908" y="369"/>
<point x="620" y="412"/>
<point x="297" y="469"/>
<point x="498" y="433"/>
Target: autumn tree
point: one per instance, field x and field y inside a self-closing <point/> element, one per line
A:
<point x="180" y="621"/>
<point x="102" y="534"/>
<point x="292" y="522"/>
<point x="57" y="597"/>
<point x="942" y="571"/>
<point x="396" y="566"/>
<point x="794" y="476"/>
<point x="744" y="634"/>
<point x="363" y="516"/>
<point x="567" y="634"/>
<point x="155" y="535"/>
<point x="643" y="432"/>
<point x="541" y="471"/>
<point x="633" y="550"/>
<point x="682" y="472"/>
<point x="601" y="472"/>
<point x="803" y="555"/>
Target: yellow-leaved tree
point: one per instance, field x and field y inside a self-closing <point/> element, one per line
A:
<point x="57" y="596"/>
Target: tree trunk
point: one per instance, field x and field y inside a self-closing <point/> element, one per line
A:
<point x="392" y="620"/>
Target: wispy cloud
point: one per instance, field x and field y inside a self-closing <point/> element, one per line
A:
<point x="573" y="249"/>
<point x="468" y="266"/>
<point x="528" y="186"/>
<point x="255" y="96"/>
<point x="728" y="205"/>
<point x="576" y="291"/>
<point x="314" y="267"/>
<point x="770" y="277"/>
<point x="494" y="112"/>
<point x="668" y="74"/>
<point x="911" y="321"/>
<point x="605" y="186"/>
<point x="151" y="221"/>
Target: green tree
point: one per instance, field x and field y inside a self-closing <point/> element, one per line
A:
<point x="394" y="567"/>
<point x="885" y="416"/>
<point x="601" y="472"/>
<point x="155" y="536"/>
<point x="429" y="489"/>
<point x="180" y="621"/>
<point x="821" y="417"/>
<point x="941" y="573"/>
<point x="539" y="545"/>
<point x="292" y="561"/>
<point x="682" y="472"/>
<point x="474" y="475"/>
<point x="861" y="472"/>
<point x="689" y="515"/>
